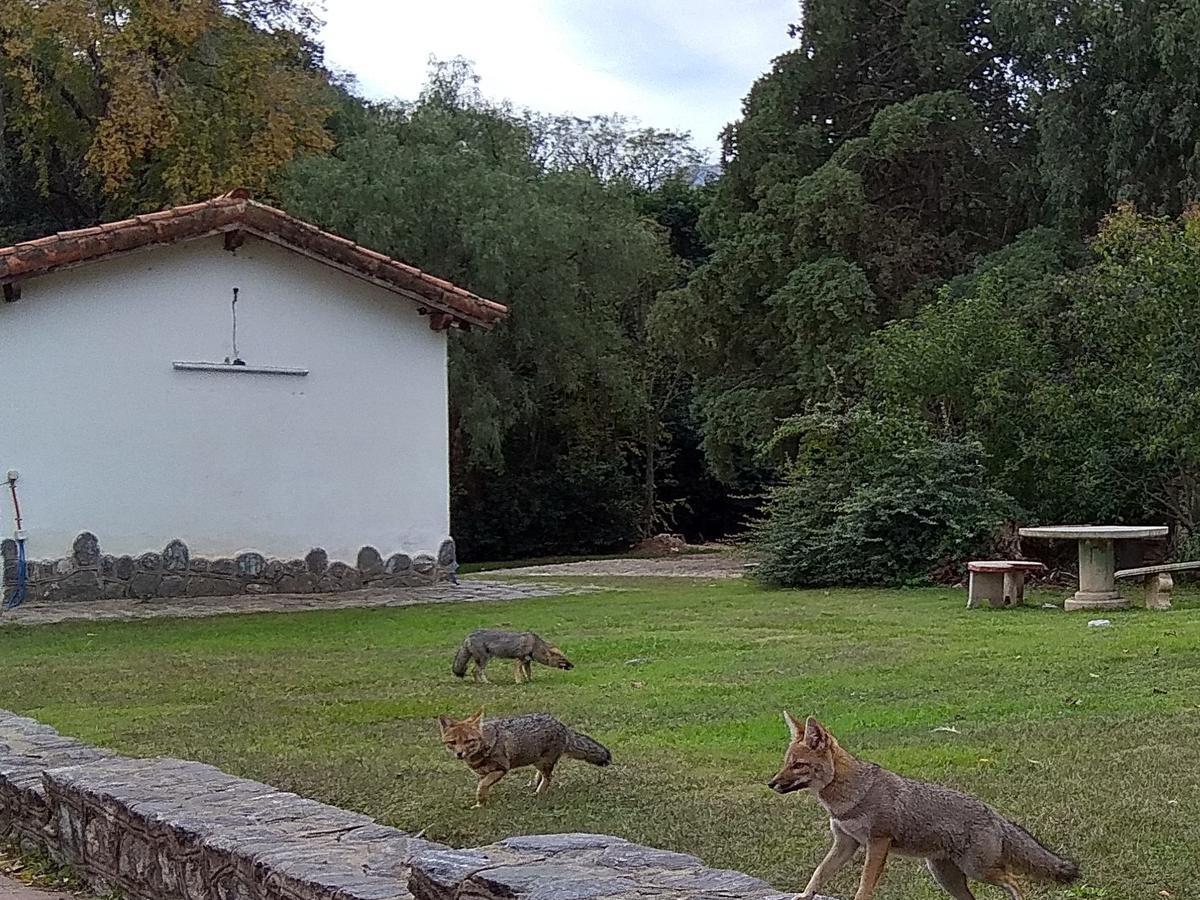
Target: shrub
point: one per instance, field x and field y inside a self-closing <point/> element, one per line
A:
<point x="873" y="498"/>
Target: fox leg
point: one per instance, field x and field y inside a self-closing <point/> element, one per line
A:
<point x="540" y="771"/>
<point x="480" y="672"/>
<point x="840" y="853"/>
<point x="877" y="854"/>
<point x="1009" y="882"/>
<point x="546" y="770"/>
<point x="950" y="877"/>
<point x="485" y="786"/>
<point x="518" y="670"/>
<point x="527" y="669"/>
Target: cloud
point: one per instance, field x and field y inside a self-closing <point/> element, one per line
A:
<point x="684" y="66"/>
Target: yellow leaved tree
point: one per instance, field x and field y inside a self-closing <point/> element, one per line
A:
<point x="132" y="104"/>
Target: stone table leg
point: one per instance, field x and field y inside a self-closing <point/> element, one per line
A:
<point x="1158" y="591"/>
<point x="1014" y="588"/>
<point x="985" y="587"/>
<point x="1097" y="589"/>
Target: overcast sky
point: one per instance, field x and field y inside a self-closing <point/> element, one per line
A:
<point x="679" y="64"/>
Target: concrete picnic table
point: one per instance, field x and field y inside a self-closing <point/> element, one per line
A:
<point x="1097" y="588"/>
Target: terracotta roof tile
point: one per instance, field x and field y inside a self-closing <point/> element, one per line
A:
<point x="233" y="212"/>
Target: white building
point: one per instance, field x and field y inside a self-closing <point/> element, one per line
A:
<point x="129" y="411"/>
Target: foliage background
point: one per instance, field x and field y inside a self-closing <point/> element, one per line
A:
<point x="956" y="235"/>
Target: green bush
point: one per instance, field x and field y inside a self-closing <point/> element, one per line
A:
<point x="873" y="498"/>
<point x="1077" y="374"/>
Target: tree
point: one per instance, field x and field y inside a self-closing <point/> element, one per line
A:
<point x="777" y="316"/>
<point x="853" y="59"/>
<point x="611" y="148"/>
<point x="1078" y="379"/>
<point x="658" y="169"/>
<point x="1113" y="92"/>
<point x="1135" y="318"/>
<point x="980" y="362"/>
<point x="871" y="164"/>
<point x="548" y="411"/>
<point x="118" y="106"/>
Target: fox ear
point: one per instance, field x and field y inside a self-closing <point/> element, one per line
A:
<point x="815" y="734"/>
<point x="475" y="717"/>
<point x="444" y="722"/>
<point x="793" y="725"/>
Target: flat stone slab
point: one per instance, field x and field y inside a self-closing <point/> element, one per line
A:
<point x="1004" y="565"/>
<point x="1157" y="570"/>
<point x="1095" y="532"/>
<point x="576" y="867"/>
<point x="196" y="607"/>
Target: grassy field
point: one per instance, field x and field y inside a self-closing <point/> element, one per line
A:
<point x="1088" y="736"/>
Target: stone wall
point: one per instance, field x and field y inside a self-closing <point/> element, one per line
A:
<point x="575" y="867"/>
<point x="167" y="829"/>
<point x="87" y="574"/>
<point x="154" y="829"/>
<point x="27" y="750"/>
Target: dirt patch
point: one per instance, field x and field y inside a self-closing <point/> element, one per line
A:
<point x="679" y="566"/>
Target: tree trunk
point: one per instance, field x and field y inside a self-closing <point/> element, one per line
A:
<point x="649" y="485"/>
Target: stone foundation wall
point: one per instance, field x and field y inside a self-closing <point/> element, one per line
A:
<point x="167" y="829"/>
<point x="88" y="574"/>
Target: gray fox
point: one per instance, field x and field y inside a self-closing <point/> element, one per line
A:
<point x="958" y="836"/>
<point x="522" y="646"/>
<point x="495" y="747"/>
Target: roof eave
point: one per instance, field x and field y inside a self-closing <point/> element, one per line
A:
<point x="419" y="299"/>
<point x="445" y="302"/>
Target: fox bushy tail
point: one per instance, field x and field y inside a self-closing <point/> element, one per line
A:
<point x="580" y="746"/>
<point x="461" y="658"/>
<point x="1031" y="857"/>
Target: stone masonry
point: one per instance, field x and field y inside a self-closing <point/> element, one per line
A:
<point x="575" y="867"/>
<point x="167" y="829"/>
<point x="87" y="574"/>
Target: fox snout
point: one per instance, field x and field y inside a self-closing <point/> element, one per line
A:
<point x="566" y="664"/>
<point x="780" y="784"/>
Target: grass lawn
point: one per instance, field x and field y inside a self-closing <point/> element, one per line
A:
<point x="1090" y="737"/>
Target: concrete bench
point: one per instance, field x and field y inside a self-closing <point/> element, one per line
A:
<point x="1158" y="581"/>
<point x="998" y="582"/>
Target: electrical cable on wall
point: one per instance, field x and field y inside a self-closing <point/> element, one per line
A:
<point x="237" y="357"/>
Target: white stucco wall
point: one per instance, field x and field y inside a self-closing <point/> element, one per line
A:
<point x="108" y="437"/>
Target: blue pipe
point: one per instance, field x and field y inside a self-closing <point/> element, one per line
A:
<point x="19" y="592"/>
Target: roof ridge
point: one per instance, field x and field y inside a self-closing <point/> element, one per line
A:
<point x="226" y="212"/>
